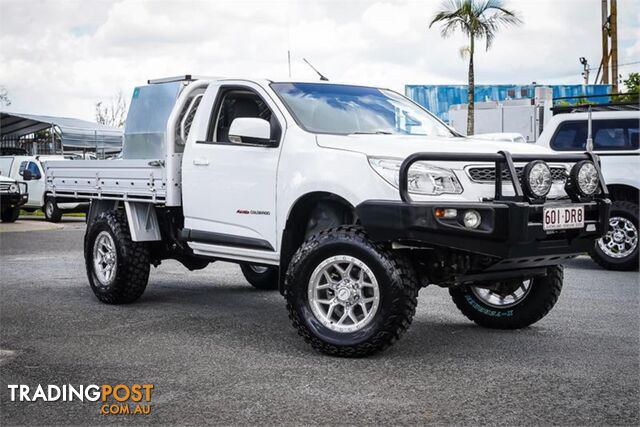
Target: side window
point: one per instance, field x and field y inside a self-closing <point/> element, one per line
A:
<point x="619" y="134"/>
<point x="35" y="171"/>
<point x="570" y="136"/>
<point x="237" y="103"/>
<point x="614" y="134"/>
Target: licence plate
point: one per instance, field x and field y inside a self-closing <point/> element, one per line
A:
<point x="563" y="217"/>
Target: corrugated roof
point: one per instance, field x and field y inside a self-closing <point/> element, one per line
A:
<point x="74" y="132"/>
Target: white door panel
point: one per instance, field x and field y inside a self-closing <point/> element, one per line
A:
<point x="229" y="189"/>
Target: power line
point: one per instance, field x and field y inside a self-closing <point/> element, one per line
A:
<point x="619" y="65"/>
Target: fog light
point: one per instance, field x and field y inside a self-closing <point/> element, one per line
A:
<point x="472" y="219"/>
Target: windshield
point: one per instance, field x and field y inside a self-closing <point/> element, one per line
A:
<point x="342" y="109"/>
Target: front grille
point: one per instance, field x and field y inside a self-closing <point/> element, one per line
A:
<point x="488" y="174"/>
<point x="4" y="186"/>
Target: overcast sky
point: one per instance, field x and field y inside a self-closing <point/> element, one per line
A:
<point x="60" y="57"/>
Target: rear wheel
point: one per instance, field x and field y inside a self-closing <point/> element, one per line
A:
<point x="511" y="304"/>
<point x="51" y="211"/>
<point x="260" y="276"/>
<point x="618" y="249"/>
<point x="10" y="214"/>
<point x="347" y="296"/>
<point x="117" y="267"/>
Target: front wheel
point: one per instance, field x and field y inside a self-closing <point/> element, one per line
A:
<point x="261" y="276"/>
<point x="117" y="267"/>
<point x="510" y="304"/>
<point x="51" y="211"/>
<point x="618" y="249"/>
<point x="347" y="296"/>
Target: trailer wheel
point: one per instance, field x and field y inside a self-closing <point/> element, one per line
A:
<point x="51" y="211"/>
<point x="348" y="296"/>
<point x="511" y="304"/>
<point x="618" y="249"/>
<point x="10" y="214"/>
<point x="260" y="276"/>
<point x="117" y="267"/>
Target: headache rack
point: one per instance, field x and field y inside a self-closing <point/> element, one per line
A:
<point x="504" y="163"/>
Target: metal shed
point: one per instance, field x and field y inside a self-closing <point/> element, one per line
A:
<point x="39" y="134"/>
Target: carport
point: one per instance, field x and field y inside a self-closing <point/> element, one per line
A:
<point x="38" y="134"/>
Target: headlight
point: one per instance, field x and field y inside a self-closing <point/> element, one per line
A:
<point x="536" y="179"/>
<point x="13" y="188"/>
<point x="423" y="177"/>
<point x="583" y="179"/>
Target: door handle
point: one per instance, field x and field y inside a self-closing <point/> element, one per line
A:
<point x="201" y="162"/>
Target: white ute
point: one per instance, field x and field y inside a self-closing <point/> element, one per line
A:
<point x="616" y="139"/>
<point x="348" y="199"/>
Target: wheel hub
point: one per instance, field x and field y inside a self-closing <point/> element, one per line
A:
<point x="503" y="295"/>
<point x="621" y="239"/>
<point x="343" y="293"/>
<point x="105" y="259"/>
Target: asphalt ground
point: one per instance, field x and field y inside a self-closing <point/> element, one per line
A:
<point x="219" y="352"/>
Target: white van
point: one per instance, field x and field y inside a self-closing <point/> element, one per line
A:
<point x="15" y="167"/>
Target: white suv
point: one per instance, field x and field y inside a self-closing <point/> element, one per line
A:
<point x="615" y="137"/>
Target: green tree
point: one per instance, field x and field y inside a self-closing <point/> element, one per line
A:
<point x="476" y="19"/>
<point x="632" y="83"/>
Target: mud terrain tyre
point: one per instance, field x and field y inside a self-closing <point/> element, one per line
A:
<point x="618" y="250"/>
<point x="51" y="211"/>
<point x="10" y="214"/>
<point x="519" y="311"/>
<point x="260" y="276"/>
<point x="117" y="267"/>
<point x="342" y="265"/>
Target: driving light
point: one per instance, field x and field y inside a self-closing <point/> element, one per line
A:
<point x="472" y="219"/>
<point x="536" y="179"/>
<point x="13" y="188"/>
<point x="423" y="177"/>
<point x="584" y="178"/>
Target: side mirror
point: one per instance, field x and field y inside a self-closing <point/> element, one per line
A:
<point x="26" y="175"/>
<point x="251" y="130"/>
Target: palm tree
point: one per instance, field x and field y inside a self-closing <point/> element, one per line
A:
<point x="477" y="20"/>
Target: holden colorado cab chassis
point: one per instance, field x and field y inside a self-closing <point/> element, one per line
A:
<point x="347" y="199"/>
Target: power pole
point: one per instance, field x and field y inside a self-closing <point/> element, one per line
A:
<point x="613" y="31"/>
<point x="605" y="43"/>
<point x="609" y="30"/>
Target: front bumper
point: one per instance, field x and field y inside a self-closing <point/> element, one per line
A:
<point x="511" y="232"/>
<point x="12" y="200"/>
<point x="511" y="235"/>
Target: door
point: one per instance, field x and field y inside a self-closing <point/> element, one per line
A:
<point x="35" y="185"/>
<point x="229" y="188"/>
